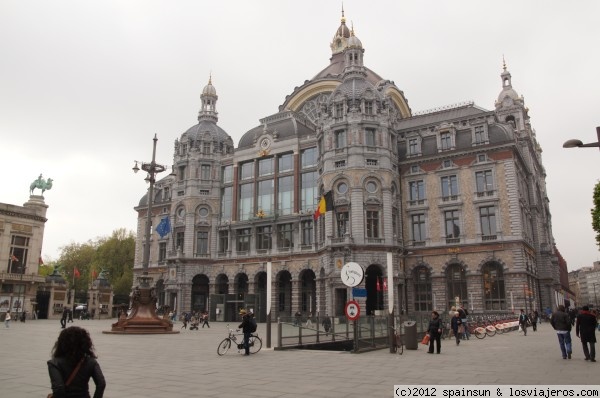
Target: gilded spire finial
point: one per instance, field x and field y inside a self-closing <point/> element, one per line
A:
<point x="210" y="77"/>
<point x="352" y="28"/>
<point x="503" y="63"/>
<point x="343" y="18"/>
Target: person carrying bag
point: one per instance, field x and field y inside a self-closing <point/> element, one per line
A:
<point x="73" y="354"/>
<point x="434" y="331"/>
<point x="71" y="377"/>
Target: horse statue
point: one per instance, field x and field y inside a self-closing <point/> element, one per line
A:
<point x="41" y="184"/>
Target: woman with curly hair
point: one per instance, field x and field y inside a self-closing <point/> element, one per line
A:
<point x="73" y="363"/>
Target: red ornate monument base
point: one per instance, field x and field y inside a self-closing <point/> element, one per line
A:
<point x="143" y="318"/>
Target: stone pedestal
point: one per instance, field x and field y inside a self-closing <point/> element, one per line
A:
<point x="143" y="318"/>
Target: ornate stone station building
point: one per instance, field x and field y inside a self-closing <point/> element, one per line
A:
<point x="456" y="194"/>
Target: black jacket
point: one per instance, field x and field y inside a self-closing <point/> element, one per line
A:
<point x="60" y="369"/>
<point x="245" y="325"/>
<point x="523" y="319"/>
<point x="586" y="327"/>
<point x="561" y="321"/>
<point x="455" y="323"/>
<point x="435" y="326"/>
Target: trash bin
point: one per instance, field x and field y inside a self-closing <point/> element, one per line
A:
<point x="410" y="335"/>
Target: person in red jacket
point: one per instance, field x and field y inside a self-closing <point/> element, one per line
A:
<point x="585" y="329"/>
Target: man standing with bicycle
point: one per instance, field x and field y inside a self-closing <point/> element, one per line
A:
<point x="245" y="326"/>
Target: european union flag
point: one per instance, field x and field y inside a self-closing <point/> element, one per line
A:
<point x="164" y="226"/>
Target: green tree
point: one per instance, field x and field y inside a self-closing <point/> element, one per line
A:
<point x="77" y="256"/>
<point x="115" y="256"/>
<point x="596" y="212"/>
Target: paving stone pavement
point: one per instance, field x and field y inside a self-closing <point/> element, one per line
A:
<point x="187" y="364"/>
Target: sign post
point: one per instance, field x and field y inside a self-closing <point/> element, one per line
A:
<point x="352" y="275"/>
<point x="352" y="310"/>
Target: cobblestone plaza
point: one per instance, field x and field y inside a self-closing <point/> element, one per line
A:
<point x="187" y="364"/>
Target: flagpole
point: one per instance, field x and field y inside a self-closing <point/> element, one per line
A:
<point x="143" y="318"/>
<point x="73" y="286"/>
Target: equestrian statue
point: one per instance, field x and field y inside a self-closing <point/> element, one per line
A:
<point x="41" y="184"/>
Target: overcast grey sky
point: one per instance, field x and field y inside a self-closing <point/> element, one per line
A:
<point x="84" y="86"/>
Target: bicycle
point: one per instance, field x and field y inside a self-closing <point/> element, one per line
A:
<point x="397" y="343"/>
<point x="447" y="332"/>
<point x="254" y="342"/>
<point x="475" y="329"/>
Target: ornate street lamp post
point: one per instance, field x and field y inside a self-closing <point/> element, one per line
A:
<point x="578" y="144"/>
<point x="143" y="318"/>
<point x="22" y="268"/>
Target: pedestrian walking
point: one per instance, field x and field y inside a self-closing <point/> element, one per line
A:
<point x="63" y="319"/>
<point x="561" y="322"/>
<point x="523" y="321"/>
<point x="435" y="332"/>
<point x="308" y="321"/>
<point x="205" y="319"/>
<point x="457" y="327"/>
<point x="535" y="318"/>
<point x="7" y="319"/>
<point x="463" y="317"/>
<point x="297" y="318"/>
<point x="69" y="315"/>
<point x="185" y="320"/>
<point x="73" y="355"/>
<point x="585" y="328"/>
<point x="326" y="324"/>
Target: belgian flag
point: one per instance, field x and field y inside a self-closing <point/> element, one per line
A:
<point x="325" y="205"/>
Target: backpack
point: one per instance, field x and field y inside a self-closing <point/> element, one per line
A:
<point x="252" y="324"/>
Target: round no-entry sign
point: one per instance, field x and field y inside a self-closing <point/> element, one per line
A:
<point x="352" y="310"/>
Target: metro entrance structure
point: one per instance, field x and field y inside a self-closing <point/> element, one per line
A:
<point x="456" y="194"/>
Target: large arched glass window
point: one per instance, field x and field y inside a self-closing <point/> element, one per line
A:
<point x="422" y="283"/>
<point x="494" y="294"/>
<point x="456" y="284"/>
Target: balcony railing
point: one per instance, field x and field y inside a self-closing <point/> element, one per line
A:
<point x="449" y="198"/>
<point x="489" y="237"/>
<point x="452" y="240"/>
<point x="482" y="194"/>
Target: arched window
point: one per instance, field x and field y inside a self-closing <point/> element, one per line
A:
<point x="511" y="119"/>
<point x="494" y="295"/>
<point x="456" y="283"/>
<point x="422" y="283"/>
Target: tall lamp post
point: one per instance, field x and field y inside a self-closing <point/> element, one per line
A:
<point x="143" y="318"/>
<point x="578" y="144"/>
<point x="22" y="268"/>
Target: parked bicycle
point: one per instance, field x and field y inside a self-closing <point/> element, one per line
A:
<point x="397" y="343"/>
<point x="447" y="332"/>
<point x="236" y="339"/>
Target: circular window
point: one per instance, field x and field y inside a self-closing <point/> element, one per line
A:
<point x="342" y="187"/>
<point x="203" y="212"/>
<point x="371" y="187"/>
